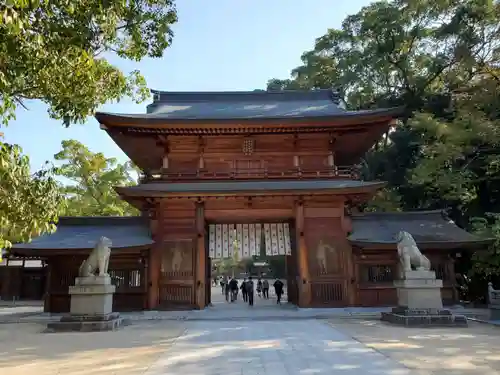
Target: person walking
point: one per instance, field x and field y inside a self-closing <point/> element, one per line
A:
<point x="233" y="286"/>
<point x="259" y="287"/>
<point x="223" y="282"/>
<point x="243" y="288"/>
<point x="227" y="290"/>
<point x="278" y="289"/>
<point x="265" y="289"/>
<point x="249" y="285"/>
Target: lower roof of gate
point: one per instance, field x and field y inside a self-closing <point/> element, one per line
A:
<point x="82" y="233"/>
<point x="161" y="189"/>
<point x="429" y="228"/>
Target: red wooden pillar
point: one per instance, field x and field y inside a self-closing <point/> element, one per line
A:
<point x="201" y="258"/>
<point x="304" y="282"/>
<point x="154" y="257"/>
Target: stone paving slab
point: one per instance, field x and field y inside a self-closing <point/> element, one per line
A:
<point x="473" y="350"/>
<point x="271" y="348"/>
<point x="238" y="312"/>
<point x="129" y="351"/>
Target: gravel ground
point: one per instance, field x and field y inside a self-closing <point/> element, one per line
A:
<point x="474" y="350"/>
<point x="25" y="350"/>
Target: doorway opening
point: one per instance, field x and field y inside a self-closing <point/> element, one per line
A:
<point x="264" y="251"/>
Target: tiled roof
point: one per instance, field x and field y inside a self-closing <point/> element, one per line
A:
<point x="246" y="186"/>
<point x="246" y="105"/>
<point x="431" y="227"/>
<point x="83" y="233"/>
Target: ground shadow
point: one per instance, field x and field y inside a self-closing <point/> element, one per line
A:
<point x="24" y="350"/>
<point x="453" y="351"/>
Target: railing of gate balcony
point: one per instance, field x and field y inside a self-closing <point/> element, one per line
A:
<point x="337" y="172"/>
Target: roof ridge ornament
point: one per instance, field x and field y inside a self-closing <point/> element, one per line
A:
<point x="337" y="97"/>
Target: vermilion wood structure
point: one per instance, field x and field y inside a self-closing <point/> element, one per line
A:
<point x="243" y="157"/>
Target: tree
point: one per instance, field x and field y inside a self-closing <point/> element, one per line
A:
<point x="29" y="203"/>
<point x="92" y="178"/>
<point x="440" y="59"/>
<point x="54" y="51"/>
<point x="415" y="53"/>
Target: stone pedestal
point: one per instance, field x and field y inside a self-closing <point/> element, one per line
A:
<point x="91" y="306"/>
<point x="419" y="289"/>
<point x="420" y="303"/>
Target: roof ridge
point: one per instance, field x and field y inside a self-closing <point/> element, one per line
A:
<point x="100" y="220"/>
<point x="242" y="96"/>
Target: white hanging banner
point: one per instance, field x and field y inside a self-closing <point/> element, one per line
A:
<point x="232" y="238"/>
<point x="246" y="242"/>
<point x="239" y="240"/>
<point x="218" y="241"/>
<point x="288" y="244"/>
<point x="251" y="240"/>
<point x="258" y="238"/>
<point x="281" y="239"/>
<point x="267" y="243"/>
<point x="274" y="239"/>
<point x="211" y="241"/>
<point x="225" y="241"/>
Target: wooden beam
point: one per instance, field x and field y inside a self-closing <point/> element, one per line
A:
<point x="235" y="215"/>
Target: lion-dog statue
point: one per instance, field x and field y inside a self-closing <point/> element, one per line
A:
<point x="98" y="261"/>
<point x="410" y="255"/>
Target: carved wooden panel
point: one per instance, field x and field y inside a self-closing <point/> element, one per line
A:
<point x="328" y="293"/>
<point x="177" y="273"/>
<point x="308" y="162"/>
<point x="177" y="260"/>
<point x="183" y="163"/>
<point x="327" y="250"/>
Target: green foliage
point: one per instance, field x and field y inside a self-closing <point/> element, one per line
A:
<point x="385" y="200"/>
<point x="29" y="203"/>
<point x="487" y="262"/>
<point x="54" y="51"/>
<point x="440" y="59"/>
<point x="92" y="178"/>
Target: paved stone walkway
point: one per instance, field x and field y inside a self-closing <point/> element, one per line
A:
<point x="290" y="347"/>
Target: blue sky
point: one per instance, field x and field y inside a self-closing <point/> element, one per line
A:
<point x="218" y="45"/>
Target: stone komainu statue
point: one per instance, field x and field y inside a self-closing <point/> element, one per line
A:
<point x="409" y="253"/>
<point x="98" y="260"/>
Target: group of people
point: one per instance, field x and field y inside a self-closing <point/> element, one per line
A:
<point x="231" y="288"/>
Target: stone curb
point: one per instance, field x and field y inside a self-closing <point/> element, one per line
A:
<point x="482" y="321"/>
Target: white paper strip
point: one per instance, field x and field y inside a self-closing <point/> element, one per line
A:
<point x="267" y="243"/>
<point x="218" y="241"/>
<point x="246" y="242"/>
<point x="225" y="241"/>
<point x="231" y="237"/>
<point x="211" y="241"/>
<point x="281" y="239"/>
<point x="274" y="239"/>
<point x="258" y="238"/>
<point x="251" y="239"/>
<point x="239" y="240"/>
<point x="288" y="243"/>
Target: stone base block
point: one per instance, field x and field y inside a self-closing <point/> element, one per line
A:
<point x="93" y="280"/>
<point x="86" y="323"/>
<point x="95" y="299"/>
<point x="494" y="312"/>
<point x="422" y="318"/>
<point x="419" y="275"/>
<point x="416" y="293"/>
